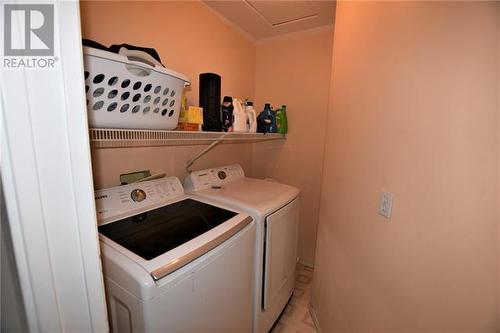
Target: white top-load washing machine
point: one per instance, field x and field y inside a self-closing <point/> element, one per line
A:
<point x="275" y="208"/>
<point x="174" y="263"/>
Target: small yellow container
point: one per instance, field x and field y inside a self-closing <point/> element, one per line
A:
<point x="190" y="119"/>
<point x="193" y="115"/>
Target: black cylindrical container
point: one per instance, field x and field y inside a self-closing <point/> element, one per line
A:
<point x="210" y="101"/>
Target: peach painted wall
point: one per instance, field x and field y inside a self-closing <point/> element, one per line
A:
<point x="498" y="104"/>
<point x="413" y="110"/>
<point x="295" y="70"/>
<point x="109" y="163"/>
<point x="190" y="39"/>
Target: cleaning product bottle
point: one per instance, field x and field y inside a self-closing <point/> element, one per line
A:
<point x="284" y="120"/>
<point x="278" y="119"/>
<point x="227" y="114"/>
<point x="274" y="129"/>
<point x="252" y="117"/>
<point x="266" y="121"/>
<point x="281" y="120"/>
<point x="239" y="117"/>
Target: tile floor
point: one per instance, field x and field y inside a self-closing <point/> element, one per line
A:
<point x="296" y="317"/>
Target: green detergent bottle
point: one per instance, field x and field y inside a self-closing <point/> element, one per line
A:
<point x="281" y="120"/>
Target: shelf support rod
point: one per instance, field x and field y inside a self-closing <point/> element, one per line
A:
<point x="190" y="163"/>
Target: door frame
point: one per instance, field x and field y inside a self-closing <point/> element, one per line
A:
<point x="47" y="181"/>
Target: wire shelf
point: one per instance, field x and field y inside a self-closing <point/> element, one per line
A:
<point x="120" y="138"/>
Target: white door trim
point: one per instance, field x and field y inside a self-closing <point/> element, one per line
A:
<point x="47" y="179"/>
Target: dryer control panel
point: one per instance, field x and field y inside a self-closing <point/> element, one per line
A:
<point x="215" y="177"/>
<point x="115" y="202"/>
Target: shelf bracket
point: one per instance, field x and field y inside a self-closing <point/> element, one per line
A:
<point x="190" y="163"/>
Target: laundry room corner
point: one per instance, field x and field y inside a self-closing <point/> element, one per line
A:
<point x="266" y="70"/>
<point x="300" y="78"/>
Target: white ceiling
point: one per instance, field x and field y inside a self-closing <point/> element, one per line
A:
<point x="263" y="19"/>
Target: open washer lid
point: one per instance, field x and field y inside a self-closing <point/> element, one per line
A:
<point x="154" y="232"/>
<point x="161" y="229"/>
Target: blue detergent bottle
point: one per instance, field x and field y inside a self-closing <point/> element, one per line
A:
<point x="266" y="121"/>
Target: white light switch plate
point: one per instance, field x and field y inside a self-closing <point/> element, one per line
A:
<point x="385" y="206"/>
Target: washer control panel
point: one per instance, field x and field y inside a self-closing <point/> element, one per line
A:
<point x="117" y="201"/>
<point x="213" y="178"/>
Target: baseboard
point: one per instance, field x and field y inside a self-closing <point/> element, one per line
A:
<point x="306" y="263"/>
<point x="314" y="318"/>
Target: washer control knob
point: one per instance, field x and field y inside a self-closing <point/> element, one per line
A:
<point x="138" y="195"/>
<point x="222" y="175"/>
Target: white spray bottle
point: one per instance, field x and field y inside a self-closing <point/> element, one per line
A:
<point x="252" y="117"/>
<point x="239" y="117"/>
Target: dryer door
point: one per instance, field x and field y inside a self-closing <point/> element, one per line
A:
<point x="280" y="255"/>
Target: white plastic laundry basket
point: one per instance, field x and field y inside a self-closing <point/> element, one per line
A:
<point x="129" y="92"/>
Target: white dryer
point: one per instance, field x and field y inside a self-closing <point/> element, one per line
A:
<point x="173" y="263"/>
<point x="275" y="208"/>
